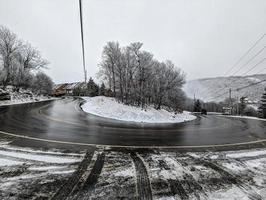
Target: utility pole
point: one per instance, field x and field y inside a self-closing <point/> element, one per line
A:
<point x="230" y="97"/>
<point x="242" y="104"/>
<point x="82" y="40"/>
<point x="194" y="103"/>
<point x="237" y="105"/>
<point x="230" y="101"/>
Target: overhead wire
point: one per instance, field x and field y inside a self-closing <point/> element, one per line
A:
<point x="245" y="54"/>
<point x="246" y="63"/>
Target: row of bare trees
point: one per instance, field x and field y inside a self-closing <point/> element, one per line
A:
<point x="18" y="61"/>
<point x="137" y="78"/>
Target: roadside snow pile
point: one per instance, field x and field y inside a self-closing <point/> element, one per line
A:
<point x="21" y="96"/>
<point x="110" y="108"/>
<point x="245" y="117"/>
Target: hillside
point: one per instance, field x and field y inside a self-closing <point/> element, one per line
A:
<point x="211" y="89"/>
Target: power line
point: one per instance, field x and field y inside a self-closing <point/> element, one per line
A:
<point x="252" y="84"/>
<point x="213" y="98"/>
<point x="82" y="40"/>
<point x="241" y="88"/>
<point x="252" y="58"/>
<point x="242" y="66"/>
<point x="245" y="54"/>
<point x="253" y="67"/>
<point x="241" y="58"/>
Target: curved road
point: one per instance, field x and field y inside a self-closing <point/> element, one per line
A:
<point x="64" y="121"/>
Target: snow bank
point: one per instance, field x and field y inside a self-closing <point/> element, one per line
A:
<point x="110" y="108"/>
<point x="245" y="117"/>
<point x="22" y="96"/>
<point x="247" y="154"/>
<point x="22" y="101"/>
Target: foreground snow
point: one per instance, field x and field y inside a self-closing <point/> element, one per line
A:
<point x="33" y="174"/>
<point x="110" y="108"/>
<point x="227" y="175"/>
<point x="178" y="175"/>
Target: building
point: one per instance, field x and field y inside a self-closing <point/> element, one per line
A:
<point x="70" y="88"/>
<point x="67" y="89"/>
<point x="59" y="90"/>
<point x="227" y="110"/>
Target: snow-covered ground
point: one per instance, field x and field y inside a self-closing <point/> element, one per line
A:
<point x="23" y="96"/>
<point x="33" y="174"/>
<point x="27" y="173"/>
<point x="174" y="175"/>
<point x="245" y="117"/>
<point x="14" y="101"/>
<point x="110" y="108"/>
<point x="221" y="175"/>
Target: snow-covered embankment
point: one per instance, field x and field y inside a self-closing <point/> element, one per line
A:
<point x="110" y="108"/>
<point x="22" y="97"/>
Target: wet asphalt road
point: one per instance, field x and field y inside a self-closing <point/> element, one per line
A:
<point x="63" y="120"/>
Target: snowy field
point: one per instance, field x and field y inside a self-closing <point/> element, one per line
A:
<point x="110" y="108"/>
<point x="127" y="174"/>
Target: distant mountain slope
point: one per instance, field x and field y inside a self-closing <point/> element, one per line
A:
<point x="211" y="89"/>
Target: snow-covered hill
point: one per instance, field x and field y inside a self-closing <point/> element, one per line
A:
<point x="211" y="89"/>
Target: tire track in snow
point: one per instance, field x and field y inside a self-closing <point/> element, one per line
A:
<point x="65" y="191"/>
<point x="95" y="173"/>
<point x="86" y="185"/>
<point x="177" y="188"/>
<point x="227" y="177"/>
<point x="143" y="183"/>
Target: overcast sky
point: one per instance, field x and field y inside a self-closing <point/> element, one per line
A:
<point x="202" y="37"/>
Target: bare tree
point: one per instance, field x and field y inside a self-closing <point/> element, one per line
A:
<point x="31" y="58"/>
<point x="42" y="84"/>
<point x="18" y="60"/>
<point x="111" y="60"/>
<point x="9" y="45"/>
<point x="137" y="78"/>
<point x="28" y="58"/>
